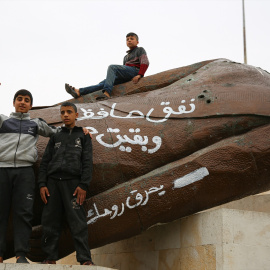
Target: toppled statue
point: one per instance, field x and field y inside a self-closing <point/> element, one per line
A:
<point x="173" y="144"/>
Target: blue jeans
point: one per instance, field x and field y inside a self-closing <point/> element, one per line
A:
<point x="116" y="74"/>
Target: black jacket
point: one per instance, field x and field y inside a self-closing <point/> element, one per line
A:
<point x="68" y="155"/>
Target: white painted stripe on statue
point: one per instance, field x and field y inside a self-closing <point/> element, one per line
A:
<point x="191" y="178"/>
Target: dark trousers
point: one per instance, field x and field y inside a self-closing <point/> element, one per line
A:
<point x="61" y="201"/>
<point x="17" y="189"/>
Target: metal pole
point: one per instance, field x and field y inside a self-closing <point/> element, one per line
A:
<point x="244" y="33"/>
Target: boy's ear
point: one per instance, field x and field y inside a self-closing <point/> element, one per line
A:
<point x="77" y="114"/>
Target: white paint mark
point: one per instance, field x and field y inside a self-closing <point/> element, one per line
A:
<point x="161" y="193"/>
<point x="258" y="70"/>
<point x="190" y="178"/>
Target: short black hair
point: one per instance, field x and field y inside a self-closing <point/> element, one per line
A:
<point x="67" y="103"/>
<point x="23" y="92"/>
<point x="132" y="34"/>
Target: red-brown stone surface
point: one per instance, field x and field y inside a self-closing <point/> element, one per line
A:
<point x="178" y="142"/>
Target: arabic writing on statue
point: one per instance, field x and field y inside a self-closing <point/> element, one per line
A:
<point x="183" y="181"/>
<point x="137" y="139"/>
<point x="114" y="212"/>
<point x="89" y="114"/>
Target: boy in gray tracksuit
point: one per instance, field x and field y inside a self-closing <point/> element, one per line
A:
<point x="18" y="137"/>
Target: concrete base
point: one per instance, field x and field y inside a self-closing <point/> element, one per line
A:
<point x="228" y="237"/>
<point x="220" y="239"/>
<point x="14" y="266"/>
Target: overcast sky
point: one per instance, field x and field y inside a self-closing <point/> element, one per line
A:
<point x="45" y="44"/>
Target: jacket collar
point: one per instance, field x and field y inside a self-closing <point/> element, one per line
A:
<point x="129" y="51"/>
<point x="20" y="116"/>
<point x="68" y="129"/>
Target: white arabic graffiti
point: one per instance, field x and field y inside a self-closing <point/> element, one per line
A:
<point x="114" y="209"/>
<point x="136" y="140"/>
<point x="89" y="114"/>
<point x="181" y="182"/>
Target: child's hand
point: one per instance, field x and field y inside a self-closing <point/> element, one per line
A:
<point x="81" y="194"/>
<point x="86" y="131"/>
<point x="136" y="78"/>
<point x="44" y="192"/>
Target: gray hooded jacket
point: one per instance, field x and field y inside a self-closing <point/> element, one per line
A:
<point x="18" y="137"/>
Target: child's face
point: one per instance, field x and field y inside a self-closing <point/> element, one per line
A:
<point x="132" y="42"/>
<point x="22" y="104"/>
<point x="68" y="116"/>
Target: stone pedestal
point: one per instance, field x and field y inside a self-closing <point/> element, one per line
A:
<point x="14" y="266"/>
<point x="229" y="237"/>
<point x="234" y="236"/>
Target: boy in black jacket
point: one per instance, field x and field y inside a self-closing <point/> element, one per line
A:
<point x="64" y="176"/>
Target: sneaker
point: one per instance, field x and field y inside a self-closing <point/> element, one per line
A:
<point x="48" y="262"/>
<point x="1" y="259"/>
<point x="87" y="263"/>
<point x="21" y="259"/>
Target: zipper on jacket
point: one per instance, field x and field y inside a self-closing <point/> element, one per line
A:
<point x="70" y="131"/>
<point x="18" y="141"/>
